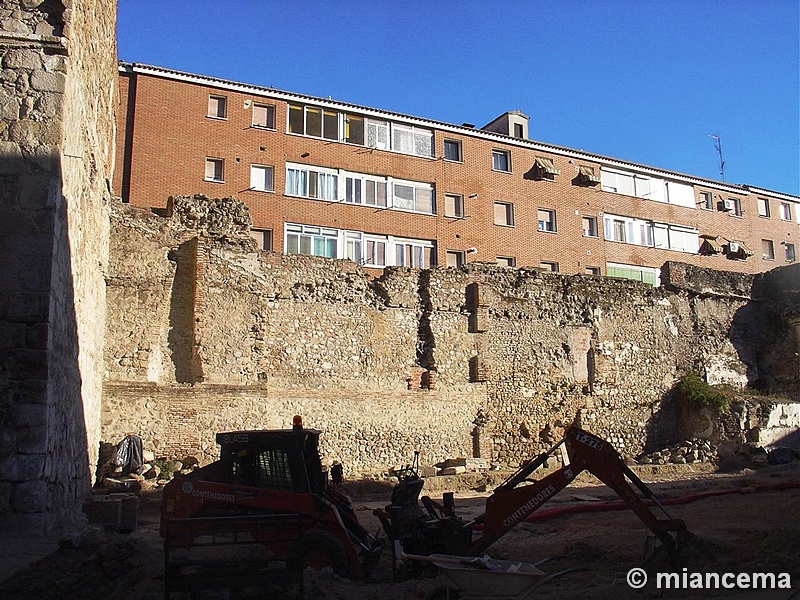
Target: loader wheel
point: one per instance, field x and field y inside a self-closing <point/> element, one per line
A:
<point x="321" y="549"/>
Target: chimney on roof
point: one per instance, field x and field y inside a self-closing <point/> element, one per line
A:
<point x="513" y="123"/>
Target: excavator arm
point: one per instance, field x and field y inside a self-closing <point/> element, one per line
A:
<point x="512" y="501"/>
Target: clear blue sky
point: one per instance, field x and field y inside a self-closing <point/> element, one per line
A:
<point x="640" y="80"/>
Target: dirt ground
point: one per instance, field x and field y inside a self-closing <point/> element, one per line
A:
<point x="743" y="532"/>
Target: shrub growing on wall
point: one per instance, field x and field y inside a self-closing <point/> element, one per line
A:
<point x="693" y="391"/>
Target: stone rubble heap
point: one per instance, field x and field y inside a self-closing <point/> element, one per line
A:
<point x="687" y="452"/>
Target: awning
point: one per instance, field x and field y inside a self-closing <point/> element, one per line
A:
<point x="710" y="245"/>
<point x="738" y="249"/>
<point x="587" y="177"/>
<point x="546" y="166"/>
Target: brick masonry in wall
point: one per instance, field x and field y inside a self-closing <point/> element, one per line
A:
<point x="479" y="360"/>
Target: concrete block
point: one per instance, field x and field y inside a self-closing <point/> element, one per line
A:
<point x="22" y="467"/>
<point x="32" y="440"/>
<point x="22" y="59"/>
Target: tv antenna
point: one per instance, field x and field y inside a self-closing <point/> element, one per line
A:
<point x="718" y="146"/>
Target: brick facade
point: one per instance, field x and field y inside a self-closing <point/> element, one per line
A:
<point x="165" y="136"/>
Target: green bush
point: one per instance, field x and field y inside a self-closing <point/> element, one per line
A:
<point x="692" y="390"/>
<point x="167" y="468"/>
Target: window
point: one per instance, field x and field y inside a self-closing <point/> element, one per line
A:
<point x="706" y="201"/>
<point x="455" y="258"/>
<point x="214" y="169"/>
<point x="506" y="261"/>
<point x="767" y="250"/>
<point x="411" y="255"/>
<point x="504" y="214"/>
<point x="649" y="233"/>
<point x="413" y="196"/>
<point x="263" y="238"/>
<point x="261" y="178"/>
<point x="364" y="189"/>
<point x="452" y="150"/>
<point x="592" y="271"/>
<point x="644" y="274"/>
<point x="311" y="182"/>
<point x="790" y="253"/>
<point x="589" y="225"/>
<point x="454" y="205"/>
<point x="501" y="160"/>
<point x="649" y="188"/>
<point x="549" y="266"/>
<point x="218" y="107"/>
<point x="375" y="255"/>
<point x="546" y="219"/>
<point x="736" y="205"/>
<point x="264" y="116"/>
<point x="543" y="168"/>
<point x="313" y="241"/>
<point x="763" y="207"/>
<point x="518" y="130"/>
<point x="786" y="211"/>
<point x="331" y="124"/>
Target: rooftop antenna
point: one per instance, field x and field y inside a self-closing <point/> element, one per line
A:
<point x="718" y="146"/>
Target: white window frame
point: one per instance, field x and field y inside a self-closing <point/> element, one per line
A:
<point x="500" y="152"/>
<point x="212" y="172"/>
<point x="258" y="178"/>
<point x="217" y="104"/>
<point x="314" y="234"/>
<point x="786" y="211"/>
<point x="269" y="112"/>
<point x="355" y="189"/>
<point x="763" y="207"/>
<point x="548" y="224"/>
<point x="299" y="182"/>
<point x="372" y="251"/>
<point x="419" y="193"/>
<point x="707" y="201"/>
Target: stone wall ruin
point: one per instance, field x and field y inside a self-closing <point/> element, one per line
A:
<point x="206" y="333"/>
<point x="58" y="92"/>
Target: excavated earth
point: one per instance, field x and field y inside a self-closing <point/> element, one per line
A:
<point x="746" y="531"/>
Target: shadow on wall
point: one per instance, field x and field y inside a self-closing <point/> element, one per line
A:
<point x="44" y="460"/>
<point x="763" y="332"/>
<point x="181" y="337"/>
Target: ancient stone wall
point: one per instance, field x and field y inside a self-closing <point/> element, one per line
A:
<point x="57" y="106"/>
<point x="206" y="333"/>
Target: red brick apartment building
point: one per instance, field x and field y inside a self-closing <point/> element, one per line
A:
<point x="334" y="179"/>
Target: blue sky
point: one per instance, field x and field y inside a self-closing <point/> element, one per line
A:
<point x="640" y="80"/>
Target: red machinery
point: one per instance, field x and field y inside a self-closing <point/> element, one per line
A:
<point x="438" y="530"/>
<point x="277" y="472"/>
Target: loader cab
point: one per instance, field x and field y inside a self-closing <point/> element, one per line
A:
<point x="281" y="460"/>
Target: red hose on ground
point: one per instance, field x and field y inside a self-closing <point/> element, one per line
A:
<point x="619" y="505"/>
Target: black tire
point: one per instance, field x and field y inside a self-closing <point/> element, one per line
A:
<point x="321" y="549"/>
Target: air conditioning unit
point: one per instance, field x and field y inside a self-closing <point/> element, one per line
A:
<point x="733" y="247"/>
<point x="728" y="205"/>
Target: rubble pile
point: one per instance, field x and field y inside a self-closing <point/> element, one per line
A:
<point x="688" y="452"/>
